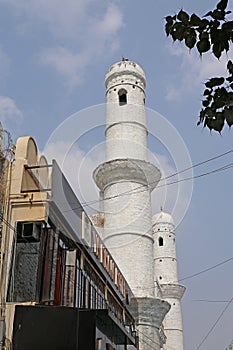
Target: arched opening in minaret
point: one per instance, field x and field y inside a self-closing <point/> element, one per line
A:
<point x="160" y="241"/>
<point x="122" y="93"/>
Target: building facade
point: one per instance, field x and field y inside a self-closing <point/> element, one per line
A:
<point x="56" y="273"/>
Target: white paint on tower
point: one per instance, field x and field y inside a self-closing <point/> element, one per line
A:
<point x="126" y="180"/>
<point x="166" y="277"/>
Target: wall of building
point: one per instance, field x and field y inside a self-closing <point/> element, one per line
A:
<point x="50" y="260"/>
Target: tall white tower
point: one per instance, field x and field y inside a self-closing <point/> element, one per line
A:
<point x="126" y="180"/>
<point x="166" y="278"/>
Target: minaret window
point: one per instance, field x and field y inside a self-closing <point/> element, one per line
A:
<point x="160" y="241"/>
<point x="122" y="97"/>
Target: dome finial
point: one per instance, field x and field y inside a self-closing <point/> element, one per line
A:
<point x="123" y="58"/>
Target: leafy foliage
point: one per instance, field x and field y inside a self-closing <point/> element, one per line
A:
<point x="211" y="32"/>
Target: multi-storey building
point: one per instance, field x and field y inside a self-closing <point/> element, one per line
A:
<point x="60" y="286"/>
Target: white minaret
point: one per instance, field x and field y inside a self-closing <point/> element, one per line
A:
<point x="166" y="278"/>
<point x="126" y="180"/>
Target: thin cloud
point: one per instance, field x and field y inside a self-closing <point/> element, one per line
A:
<point x="80" y="174"/>
<point x="9" y="109"/>
<point x="68" y="64"/>
<point x="82" y="32"/>
<point x="62" y="19"/>
<point x="193" y="71"/>
<point x="4" y="64"/>
<point x="101" y="37"/>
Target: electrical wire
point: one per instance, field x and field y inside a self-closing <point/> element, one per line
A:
<point x="215" y="324"/>
<point x="152" y="341"/>
<point x="210" y="301"/>
<point x="203" y="271"/>
<point x="201" y="163"/>
<point x="143" y="188"/>
<point x="7" y="223"/>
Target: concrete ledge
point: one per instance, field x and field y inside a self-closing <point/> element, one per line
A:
<point x="172" y="290"/>
<point x="150" y="311"/>
<point x="122" y="170"/>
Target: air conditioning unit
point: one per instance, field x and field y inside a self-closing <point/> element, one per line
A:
<point x="29" y="231"/>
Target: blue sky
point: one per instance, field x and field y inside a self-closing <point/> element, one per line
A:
<point x="53" y="59"/>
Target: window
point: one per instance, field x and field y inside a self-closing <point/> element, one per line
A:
<point x="160" y="241"/>
<point x="122" y="93"/>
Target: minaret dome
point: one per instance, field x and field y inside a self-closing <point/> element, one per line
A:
<point x="131" y="71"/>
<point x="163" y="218"/>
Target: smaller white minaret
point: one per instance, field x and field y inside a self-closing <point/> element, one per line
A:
<point x="166" y="278"/>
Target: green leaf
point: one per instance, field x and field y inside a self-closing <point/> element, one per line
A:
<point x="218" y="103"/>
<point x="203" y="35"/>
<point x="178" y="31"/>
<point x="183" y="17"/>
<point x="208" y="14"/>
<point x="206" y="92"/>
<point x="209" y="112"/>
<point x="209" y="123"/>
<point x="216" y="122"/>
<point x="227" y="26"/>
<point x="225" y="45"/>
<point x="229" y="116"/>
<point x="181" y="31"/>
<point x="203" y="45"/>
<point x="217" y="49"/>
<point x="214" y="82"/>
<point x="222" y="5"/>
<point x="215" y="34"/>
<point x="190" y="39"/>
<point x="230" y="98"/>
<point x="169" y="19"/>
<point x="205" y="103"/>
<point x="168" y="28"/>
<point x="204" y="23"/>
<point x="195" y="21"/>
<point x="218" y="125"/>
<point x="218" y="14"/>
<point x="214" y="24"/>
